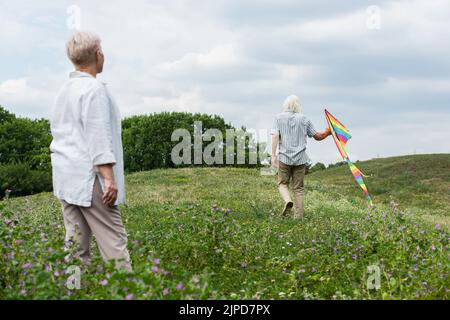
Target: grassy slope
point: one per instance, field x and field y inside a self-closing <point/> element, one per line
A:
<point x="180" y="216"/>
<point x="419" y="183"/>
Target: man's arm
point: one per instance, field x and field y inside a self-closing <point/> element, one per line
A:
<point x="319" y="136"/>
<point x="275" y="140"/>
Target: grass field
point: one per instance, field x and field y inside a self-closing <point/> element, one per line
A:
<point x="213" y="233"/>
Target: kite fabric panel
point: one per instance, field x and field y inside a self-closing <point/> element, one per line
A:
<point x="341" y="135"/>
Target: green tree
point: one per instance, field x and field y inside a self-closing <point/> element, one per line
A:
<point x="27" y="141"/>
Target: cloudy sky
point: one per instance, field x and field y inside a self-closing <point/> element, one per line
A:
<point x="381" y="67"/>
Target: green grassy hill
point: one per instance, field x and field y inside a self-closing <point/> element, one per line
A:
<point x="419" y="183"/>
<point x="216" y="233"/>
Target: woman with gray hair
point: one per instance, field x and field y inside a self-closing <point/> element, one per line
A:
<point x="289" y="132"/>
<point x="87" y="155"/>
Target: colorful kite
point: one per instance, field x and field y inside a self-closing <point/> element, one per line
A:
<point x="341" y="135"/>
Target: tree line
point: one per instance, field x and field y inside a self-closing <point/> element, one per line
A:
<point x="25" y="166"/>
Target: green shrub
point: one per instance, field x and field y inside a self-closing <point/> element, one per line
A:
<point x="21" y="180"/>
<point x="147" y="138"/>
<point x="25" y="140"/>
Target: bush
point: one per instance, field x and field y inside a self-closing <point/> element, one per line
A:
<point x="5" y="115"/>
<point x="25" y="140"/>
<point x="337" y="164"/>
<point x="21" y="180"/>
<point x="317" y="167"/>
<point x="147" y="138"/>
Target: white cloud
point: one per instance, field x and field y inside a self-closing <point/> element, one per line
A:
<point x="25" y="97"/>
<point x="240" y="59"/>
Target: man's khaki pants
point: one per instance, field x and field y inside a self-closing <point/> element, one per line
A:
<point x="104" y="222"/>
<point x="297" y="173"/>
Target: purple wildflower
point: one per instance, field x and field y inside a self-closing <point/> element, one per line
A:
<point x="18" y="242"/>
<point x="155" y="269"/>
<point x="180" y="287"/>
<point x="165" y="292"/>
<point x="156" y="261"/>
<point x="437" y="226"/>
<point x="301" y="271"/>
<point x="104" y="282"/>
<point x="129" y="297"/>
<point x="26" y="265"/>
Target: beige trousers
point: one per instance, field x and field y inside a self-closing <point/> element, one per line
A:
<point x="101" y="220"/>
<point x="297" y="173"/>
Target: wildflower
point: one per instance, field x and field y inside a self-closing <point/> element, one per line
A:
<point x="104" y="282"/>
<point x="50" y="249"/>
<point x="354" y="222"/>
<point x="155" y="269"/>
<point x="301" y="271"/>
<point x="56" y="273"/>
<point x="179" y="287"/>
<point x="129" y="296"/>
<point x="18" y="242"/>
<point x="437" y="226"/>
<point x="165" y="292"/>
<point x="156" y="261"/>
<point x="26" y="265"/>
<point x="354" y="257"/>
<point x="164" y="272"/>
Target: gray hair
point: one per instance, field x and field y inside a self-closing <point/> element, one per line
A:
<point x="82" y="47"/>
<point x="292" y="103"/>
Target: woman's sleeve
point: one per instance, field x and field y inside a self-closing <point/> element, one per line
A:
<point x="98" y="127"/>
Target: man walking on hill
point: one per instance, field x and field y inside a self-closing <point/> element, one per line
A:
<point x="87" y="155"/>
<point x="289" y="133"/>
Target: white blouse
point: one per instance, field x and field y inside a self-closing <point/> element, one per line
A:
<point x="86" y="129"/>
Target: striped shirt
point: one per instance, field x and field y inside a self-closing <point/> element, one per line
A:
<point x="293" y="128"/>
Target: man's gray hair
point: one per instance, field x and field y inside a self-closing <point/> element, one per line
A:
<point x="82" y="47"/>
<point x="292" y="103"/>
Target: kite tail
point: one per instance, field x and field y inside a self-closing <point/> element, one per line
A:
<point x="358" y="177"/>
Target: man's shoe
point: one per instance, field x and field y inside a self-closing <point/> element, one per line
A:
<point x="287" y="208"/>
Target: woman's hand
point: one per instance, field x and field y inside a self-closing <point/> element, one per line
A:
<point x="110" y="192"/>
